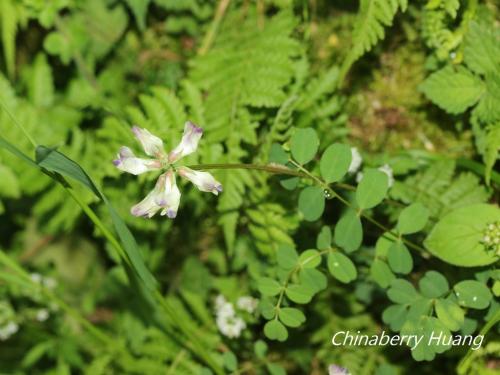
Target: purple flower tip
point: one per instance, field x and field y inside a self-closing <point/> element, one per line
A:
<point x="136" y="211"/>
<point x="219" y="188"/>
<point x="196" y="128"/>
<point x="116" y="162"/>
<point x="171" y="214"/>
<point x="136" y="130"/>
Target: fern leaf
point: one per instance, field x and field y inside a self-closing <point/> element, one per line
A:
<point x="269" y="226"/>
<point x="248" y="66"/>
<point x="373" y="16"/>
<point x="438" y="190"/>
<point x="40" y="83"/>
<point x="8" y="20"/>
<point x="194" y="100"/>
<point x="139" y="9"/>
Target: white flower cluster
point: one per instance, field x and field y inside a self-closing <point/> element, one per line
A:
<point x="42" y="315"/>
<point x="247" y="303"/>
<point x="356" y="160"/>
<point x="228" y="323"/>
<point x="47" y="282"/>
<point x="491" y="237"/>
<point x="8" y="326"/>
<point x="8" y="330"/>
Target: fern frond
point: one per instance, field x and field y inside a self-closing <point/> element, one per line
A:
<point x="40" y="82"/>
<point x="9" y="20"/>
<point x="248" y="66"/>
<point x="194" y="101"/>
<point x="270" y="226"/>
<point x="437" y="189"/>
<point x="280" y="128"/>
<point x="373" y="17"/>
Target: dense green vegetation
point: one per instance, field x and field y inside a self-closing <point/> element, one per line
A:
<point x="313" y="167"/>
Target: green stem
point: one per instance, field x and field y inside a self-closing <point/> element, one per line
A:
<point x="464" y="364"/>
<point x="97" y="222"/>
<point x="210" y="36"/>
<point x="302" y="172"/>
<point x="18" y="124"/>
<point x="333" y="193"/>
<point x="290" y="275"/>
<point x="274" y="169"/>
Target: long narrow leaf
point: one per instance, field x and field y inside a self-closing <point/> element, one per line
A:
<point x="55" y="161"/>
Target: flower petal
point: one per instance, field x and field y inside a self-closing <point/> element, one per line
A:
<point x="189" y="142"/>
<point x="203" y="180"/>
<point x="153" y="146"/>
<point x="355" y="161"/>
<point x="147" y="207"/>
<point x="170" y="196"/>
<point x="337" y="370"/>
<point x="128" y="162"/>
<point x="386" y="168"/>
<point x="165" y="197"/>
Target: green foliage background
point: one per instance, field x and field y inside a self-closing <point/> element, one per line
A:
<point x="282" y="84"/>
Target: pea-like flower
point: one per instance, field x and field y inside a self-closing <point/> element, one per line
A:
<point x="337" y="370"/>
<point x="165" y="197"/>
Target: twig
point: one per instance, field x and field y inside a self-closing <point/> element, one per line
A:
<point x="210" y="35"/>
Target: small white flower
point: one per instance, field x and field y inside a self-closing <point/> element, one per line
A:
<point x="359" y="177"/>
<point x="8" y="330"/>
<point x="230" y="326"/>
<point x="220" y="301"/>
<point x="49" y="282"/>
<point x="356" y="160"/>
<point x="42" y="315"/>
<point x="189" y="142"/>
<point x="388" y="171"/>
<point x="226" y="320"/>
<point x="128" y="162"/>
<point x="36" y="277"/>
<point x="12" y="327"/>
<point x="223" y="308"/>
<point x="226" y="311"/>
<point x="247" y="303"/>
<point x="165" y="197"/>
<point x="152" y="145"/>
<point x="204" y="181"/>
<point x="337" y="370"/>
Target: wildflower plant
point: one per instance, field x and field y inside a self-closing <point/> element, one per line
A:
<point x="166" y="196"/>
<point x="368" y="206"/>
